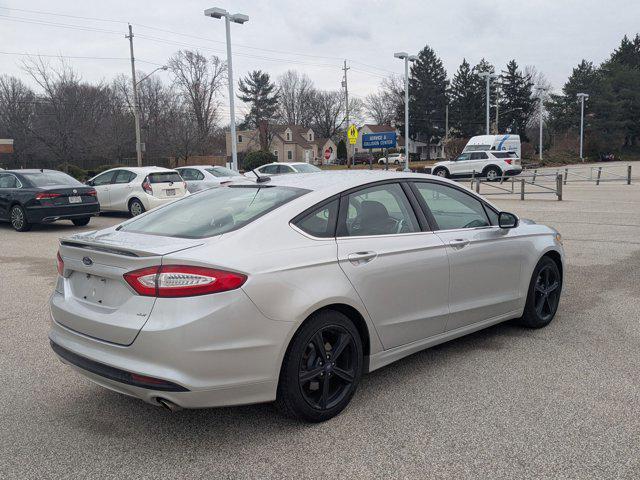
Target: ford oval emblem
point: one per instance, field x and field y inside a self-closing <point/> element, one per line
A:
<point x="87" y="261"/>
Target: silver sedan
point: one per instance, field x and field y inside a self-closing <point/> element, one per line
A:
<point x="201" y="177"/>
<point x="289" y="290"/>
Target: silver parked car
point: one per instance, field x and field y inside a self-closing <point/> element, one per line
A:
<point x="201" y="177"/>
<point x="291" y="289"/>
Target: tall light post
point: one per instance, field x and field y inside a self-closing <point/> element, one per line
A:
<point x="541" y="91"/>
<point x="228" y="18"/>
<point x="407" y="58"/>
<point x="582" y="97"/>
<point x="163" y="67"/>
<point x="488" y="76"/>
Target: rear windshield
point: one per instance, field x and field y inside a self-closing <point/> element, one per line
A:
<point x="50" y="179"/>
<point x="306" y="168"/>
<point x="213" y="212"/>
<point x="221" y="172"/>
<point x="164" y="177"/>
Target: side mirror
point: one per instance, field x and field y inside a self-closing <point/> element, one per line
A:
<point x="507" y="220"/>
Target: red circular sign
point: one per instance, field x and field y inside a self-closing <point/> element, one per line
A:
<point x="327" y="154"/>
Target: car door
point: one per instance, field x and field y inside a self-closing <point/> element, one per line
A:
<point x="399" y="268"/>
<point x="460" y="165"/>
<point x="477" y="162"/>
<point x="8" y="185"/>
<point x="192" y="177"/>
<point x="485" y="260"/>
<point x="102" y="184"/>
<point x="120" y="189"/>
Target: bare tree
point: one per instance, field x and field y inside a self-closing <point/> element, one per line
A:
<point x="382" y="105"/>
<point x="296" y="94"/>
<point x="17" y="102"/>
<point x="328" y="113"/>
<point x="199" y="80"/>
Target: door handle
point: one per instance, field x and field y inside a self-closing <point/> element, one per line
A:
<point x="459" y="243"/>
<point x="359" y="258"/>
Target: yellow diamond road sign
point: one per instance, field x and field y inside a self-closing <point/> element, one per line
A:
<point x="352" y="133"/>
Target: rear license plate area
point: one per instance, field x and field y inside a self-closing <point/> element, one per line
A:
<point x="90" y="288"/>
<point x="170" y="192"/>
<point x="75" y="199"/>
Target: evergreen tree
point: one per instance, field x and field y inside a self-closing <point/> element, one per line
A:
<point x="427" y="98"/>
<point x="257" y="90"/>
<point x="516" y="100"/>
<point x="342" y="150"/>
<point x="466" y="102"/>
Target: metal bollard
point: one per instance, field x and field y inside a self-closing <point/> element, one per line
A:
<point x="566" y="174"/>
<point x="522" y="189"/>
<point x="535" y="172"/>
<point x="473" y="178"/>
<point x="478" y="185"/>
<point x="628" y="174"/>
<point x="599" y="173"/>
<point x="559" y="186"/>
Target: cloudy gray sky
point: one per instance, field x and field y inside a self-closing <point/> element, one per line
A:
<point x="314" y="37"/>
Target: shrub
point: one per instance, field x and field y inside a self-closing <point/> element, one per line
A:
<point x="256" y="159"/>
<point x="74" y="170"/>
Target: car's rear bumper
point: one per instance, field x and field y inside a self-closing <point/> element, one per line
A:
<point x="151" y="202"/>
<point x="218" y="351"/>
<point x="40" y="214"/>
<point x="513" y="171"/>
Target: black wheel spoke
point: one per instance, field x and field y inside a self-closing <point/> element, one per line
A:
<point x="343" y="341"/>
<point x="308" y="375"/>
<point x="554" y="286"/>
<point x="318" y="343"/>
<point x="343" y="374"/>
<point x="324" y="393"/>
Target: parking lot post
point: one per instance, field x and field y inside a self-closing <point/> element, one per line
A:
<point x="566" y="174"/>
<point x="477" y="185"/>
<point x="522" y="189"/>
<point x="473" y="178"/>
<point x="559" y="186"/>
<point x="535" y="172"/>
<point x="599" y="173"/>
<point x="628" y="174"/>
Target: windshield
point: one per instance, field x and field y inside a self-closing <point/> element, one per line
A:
<point x="50" y="179"/>
<point x="213" y="212"/>
<point x="164" y="177"/>
<point x="306" y="168"/>
<point x="222" y="172"/>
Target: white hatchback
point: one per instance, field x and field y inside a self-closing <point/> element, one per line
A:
<point x="489" y="163"/>
<point x="137" y="189"/>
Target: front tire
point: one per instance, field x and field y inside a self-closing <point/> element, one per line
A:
<point x="543" y="296"/>
<point x="321" y="369"/>
<point x="135" y="207"/>
<point x="18" y="218"/>
<point x="81" y="222"/>
<point x="441" y="172"/>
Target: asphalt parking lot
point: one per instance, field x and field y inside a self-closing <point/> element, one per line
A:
<point x="561" y="402"/>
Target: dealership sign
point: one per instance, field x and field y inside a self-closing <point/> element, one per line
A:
<point x="379" y="140"/>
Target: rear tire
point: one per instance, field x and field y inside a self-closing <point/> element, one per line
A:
<point x="492" y="174"/>
<point x="543" y="296"/>
<point x="81" y="222"/>
<point x="441" y="172"/>
<point x="135" y="207"/>
<point x="18" y="218"/>
<point x="316" y="382"/>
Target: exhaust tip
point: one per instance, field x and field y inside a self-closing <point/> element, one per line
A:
<point x="168" y="405"/>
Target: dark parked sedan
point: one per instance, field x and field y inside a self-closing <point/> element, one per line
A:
<point x="44" y="196"/>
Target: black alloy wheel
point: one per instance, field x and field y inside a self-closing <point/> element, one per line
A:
<point x="321" y="369"/>
<point x="543" y="297"/>
<point x="18" y="218"/>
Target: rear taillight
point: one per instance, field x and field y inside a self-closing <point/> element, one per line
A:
<point x="508" y="161"/>
<point x="60" y="264"/>
<point x="182" y="281"/>
<point x="146" y="186"/>
<point x="44" y="196"/>
<point x="92" y="192"/>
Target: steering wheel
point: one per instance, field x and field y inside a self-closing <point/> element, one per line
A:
<point x="475" y="223"/>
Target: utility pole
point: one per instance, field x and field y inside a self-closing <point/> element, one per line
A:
<point x="582" y="97"/>
<point x="540" y="93"/>
<point x="346" y="99"/>
<point x="488" y="76"/>
<point x="407" y="58"/>
<point x="446" y="122"/>
<point x="136" y="111"/>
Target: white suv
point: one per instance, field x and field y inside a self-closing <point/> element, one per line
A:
<point x="395" y="158"/>
<point x="492" y="164"/>
<point x="137" y="189"/>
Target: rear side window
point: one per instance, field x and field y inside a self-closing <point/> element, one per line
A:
<point x="320" y="222"/>
<point x="191" y="174"/>
<point x="479" y="156"/>
<point x="50" y="179"/>
<point x="503" y="154"/>
<point x="213" y="212"/>
<point x="164" y="177"/>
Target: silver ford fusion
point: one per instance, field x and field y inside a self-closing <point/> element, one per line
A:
<point x="291" y="288"/>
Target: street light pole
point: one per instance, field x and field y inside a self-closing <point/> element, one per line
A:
<point x="582" y="97"/>
<point x="407" y="58"/>
<point x="488" y="76"/>
<point x="540" y="93"/>
<point x="228" y="18"/>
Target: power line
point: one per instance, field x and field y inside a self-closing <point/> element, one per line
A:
<point x="40" y="12"/>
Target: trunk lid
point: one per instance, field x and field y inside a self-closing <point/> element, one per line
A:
<point x="167" y="185"/>
<point x="65" y="195"/>
<point x="94" y="299"/>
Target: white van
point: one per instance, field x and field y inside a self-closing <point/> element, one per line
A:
<point x="506" y="142"/>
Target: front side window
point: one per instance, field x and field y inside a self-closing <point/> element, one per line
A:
<point x="307" y="168"/>
<point x="321" y="222"/>
<point x="452" y="208"/>
<point x="379" y="210"/>
<point x="213" y="212"/>
<point x="269" y="169"/>
<point x="463" y="157"/>
<point x="103" y="179"/>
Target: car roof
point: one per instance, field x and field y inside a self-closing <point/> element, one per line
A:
<point x="284" y="163"/>
<point x="32" y="170"/>
<point x="340" y="179"/>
